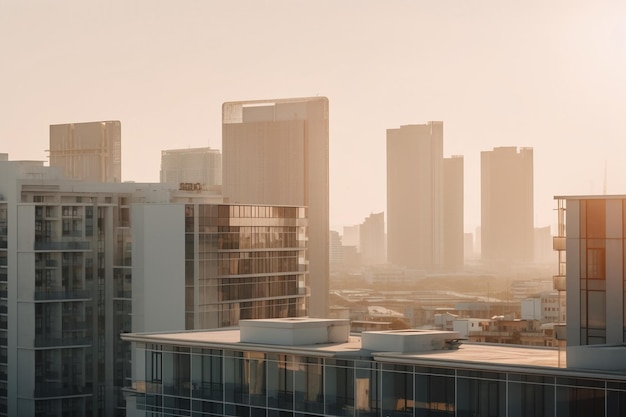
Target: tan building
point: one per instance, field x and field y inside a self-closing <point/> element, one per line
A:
<point x="276" y="152"/>
<point x="507" y="223"/>
<point x="192" y="169"/>
<point x="88" y="151"/>
<point x="424" y="194"/>
<point x="372" y="240"/>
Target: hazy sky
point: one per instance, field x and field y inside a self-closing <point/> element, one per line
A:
<point x="546" y="74"/>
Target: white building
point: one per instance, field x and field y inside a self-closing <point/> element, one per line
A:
<point x="81" y="263"/>
<point x="593" y="237"/>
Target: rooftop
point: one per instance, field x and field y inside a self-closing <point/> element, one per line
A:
<point x="425" y="348"/>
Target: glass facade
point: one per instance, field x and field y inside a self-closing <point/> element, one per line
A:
<point x="244" y="262"/>
<point x="193" y="381"/>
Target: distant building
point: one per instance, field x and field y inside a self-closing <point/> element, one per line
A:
<point x="424" y="199"/>
<point x="351" y="236"/>
<point x="336" y="249"/>
<point x="543" y="253"/>
<point x="192" y="169"/>
<point x="507" y="224"/>
<point x="468" y="246"/>
<point x="275" y="152"/>
<point x="87" y="151"/>
<point x="372" y="240"/>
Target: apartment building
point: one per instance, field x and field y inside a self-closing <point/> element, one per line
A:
<point x="82" y="263"/>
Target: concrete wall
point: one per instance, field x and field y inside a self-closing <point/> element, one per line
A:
<point x="158" y="267"/>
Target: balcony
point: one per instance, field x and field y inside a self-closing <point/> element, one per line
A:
<point x="63" y="246"/>
<point x="558" y="243"/>
<point x="49" y="390"/>
<point x="559" y="282"/>
<point x="52" y="342"/>
<point x="62" y="295"/>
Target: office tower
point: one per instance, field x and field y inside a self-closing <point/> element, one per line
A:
<point x="424" y="194"/>
<point x="372" y="239"/>
<point x="87" y="151"/>
<point x="507" y="224"/>
<point x="276" y="152"/>
<point x="193" y="169"/>
<point x="203" y="266"/>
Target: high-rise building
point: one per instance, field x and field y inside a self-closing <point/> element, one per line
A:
<point x="507" y="225"/>
<point x="81" y="263"/>
<point x="424" y="194"/>
<point x="276" y="152"/>
<point x="372" y="239"/>
<point x="65" y="256"/>
<point x="192" y="169"/>
<point x="89" y="151"/>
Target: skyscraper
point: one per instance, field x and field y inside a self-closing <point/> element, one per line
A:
<point x="507" y="225"/>
<point x="87" y="151"/>
<point x="424" y="194"/>
<point x="276" y="152"/>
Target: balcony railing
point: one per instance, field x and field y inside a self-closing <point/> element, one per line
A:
<point x="70" y="245"/>
<point x="47" y="390"/>
<point x="46" y="342"/>
<point x="62" y="295"/>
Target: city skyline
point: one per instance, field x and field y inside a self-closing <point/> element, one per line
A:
<point x="534" y="75"/>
